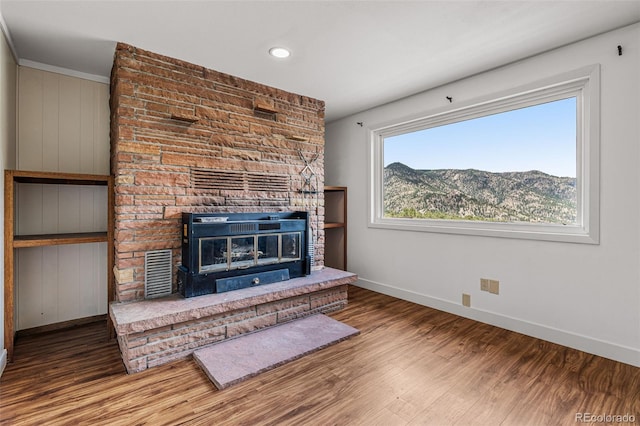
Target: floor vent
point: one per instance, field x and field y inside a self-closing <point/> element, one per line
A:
<point x="157" y="273"/>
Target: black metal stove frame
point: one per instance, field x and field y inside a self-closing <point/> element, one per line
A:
<point x="228" y="251"/>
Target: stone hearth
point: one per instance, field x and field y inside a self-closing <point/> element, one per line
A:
<point x="157" y="331"/>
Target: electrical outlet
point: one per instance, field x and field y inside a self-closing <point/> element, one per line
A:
<point x="484" y="284"/>
<point x="494" y="286"/>
<point x="466" y="300"/>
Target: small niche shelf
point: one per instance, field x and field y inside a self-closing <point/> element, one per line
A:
<point x="335" y="225"/>
<point x="184" y="118"/>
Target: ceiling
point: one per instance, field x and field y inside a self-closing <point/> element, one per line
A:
<point x="354" y="55"/>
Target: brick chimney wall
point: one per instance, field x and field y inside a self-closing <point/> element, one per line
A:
<point x="185" y="138"/>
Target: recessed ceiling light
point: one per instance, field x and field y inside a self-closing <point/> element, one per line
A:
<point x="279" y="52"/>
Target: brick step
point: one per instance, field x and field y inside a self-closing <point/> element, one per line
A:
<point x="235" y="360"/>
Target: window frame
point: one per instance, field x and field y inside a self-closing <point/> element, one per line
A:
<point x="583" y="83"/>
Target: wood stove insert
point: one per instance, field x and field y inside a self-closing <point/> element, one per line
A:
<point x="229" y="251"/>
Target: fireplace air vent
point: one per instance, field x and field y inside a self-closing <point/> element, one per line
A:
<point x="157" y="273"/>
<point x="242" y="227"/>
<point x="229" y="180"/>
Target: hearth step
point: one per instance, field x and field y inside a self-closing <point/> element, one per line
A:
<point x="235" y="360"/>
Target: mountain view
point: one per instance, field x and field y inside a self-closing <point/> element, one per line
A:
<point x="531" y="196"/>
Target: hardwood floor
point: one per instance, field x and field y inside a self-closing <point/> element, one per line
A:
<point x="411" y="365"/>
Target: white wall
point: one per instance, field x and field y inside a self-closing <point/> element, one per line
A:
<point x="578" y="295"/>
<point x="8" y="71"/>
<point x="63" y="125"/>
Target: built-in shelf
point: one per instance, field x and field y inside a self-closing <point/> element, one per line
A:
<point x="12" y="241"/>
<point x="335" y="225"/>
<point x="329" y="225"/>
<point x="56" y="178"/>
<point x="22" y="241"/>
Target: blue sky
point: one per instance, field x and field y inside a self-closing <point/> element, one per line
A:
<point x="542" y="137"/>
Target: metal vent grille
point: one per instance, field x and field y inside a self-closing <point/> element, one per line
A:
<point x="242" y="227"/>
<point x="210" y="180"/>
<point x="157" y="273"/>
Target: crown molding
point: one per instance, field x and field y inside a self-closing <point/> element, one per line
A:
<point x="63" y="71"/>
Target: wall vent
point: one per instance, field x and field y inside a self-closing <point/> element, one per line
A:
<point x="211" y="180"/>
<point x="157" y="273"/>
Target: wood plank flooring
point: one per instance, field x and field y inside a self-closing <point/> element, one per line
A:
<point x="411" y="365"/>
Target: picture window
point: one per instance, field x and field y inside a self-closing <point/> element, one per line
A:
<point x="521" y="164"/>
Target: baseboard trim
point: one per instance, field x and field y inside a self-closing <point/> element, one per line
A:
<point x="61" y="325"/>
<point x="3" y="361"/>
<point x="587" y="344"/>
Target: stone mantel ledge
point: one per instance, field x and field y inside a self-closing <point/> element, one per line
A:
<point x="139" y="316"/>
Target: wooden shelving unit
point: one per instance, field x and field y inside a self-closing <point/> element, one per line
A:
<point x="335" y="226"/>
<point x="12" y="241"/>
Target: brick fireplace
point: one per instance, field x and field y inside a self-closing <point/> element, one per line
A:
<point x="187" y="139"/>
